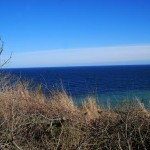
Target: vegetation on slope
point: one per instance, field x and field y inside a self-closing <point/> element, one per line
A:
<point x="30" y="120"/>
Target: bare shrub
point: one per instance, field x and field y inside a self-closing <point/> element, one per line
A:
<point x="30" y="120"/>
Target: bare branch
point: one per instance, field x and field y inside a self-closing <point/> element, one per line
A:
<point x="1" y="46"/>
<point x="1" y="51"/>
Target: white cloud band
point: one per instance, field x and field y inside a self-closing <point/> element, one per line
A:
<point x="85" y="56"/>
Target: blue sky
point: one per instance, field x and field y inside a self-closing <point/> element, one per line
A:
<point x="75" y="32"/>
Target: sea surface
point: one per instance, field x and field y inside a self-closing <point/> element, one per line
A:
<point x="108" y="84"/>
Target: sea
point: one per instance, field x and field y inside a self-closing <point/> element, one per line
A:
<point x="110" y="85"/>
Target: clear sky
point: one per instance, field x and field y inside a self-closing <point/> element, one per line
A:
<point x="75" y="32"/>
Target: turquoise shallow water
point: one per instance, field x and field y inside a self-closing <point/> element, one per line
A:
<point x="115" y="98"/>
<point x="118" y="97"/>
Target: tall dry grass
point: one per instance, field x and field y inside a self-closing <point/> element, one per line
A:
<point x="30" y="120"/>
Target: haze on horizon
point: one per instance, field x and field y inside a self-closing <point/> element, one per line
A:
<point x="44" y="33"/>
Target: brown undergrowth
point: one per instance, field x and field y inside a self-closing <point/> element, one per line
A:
<point x="30" y="120"/>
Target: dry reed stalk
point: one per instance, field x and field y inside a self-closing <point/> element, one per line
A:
<point x="90" y="109"/>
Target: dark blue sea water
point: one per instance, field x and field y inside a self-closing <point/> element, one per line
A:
<point x="107" y="83"/>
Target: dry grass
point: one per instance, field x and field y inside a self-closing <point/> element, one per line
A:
<point x="30" y="120"/>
